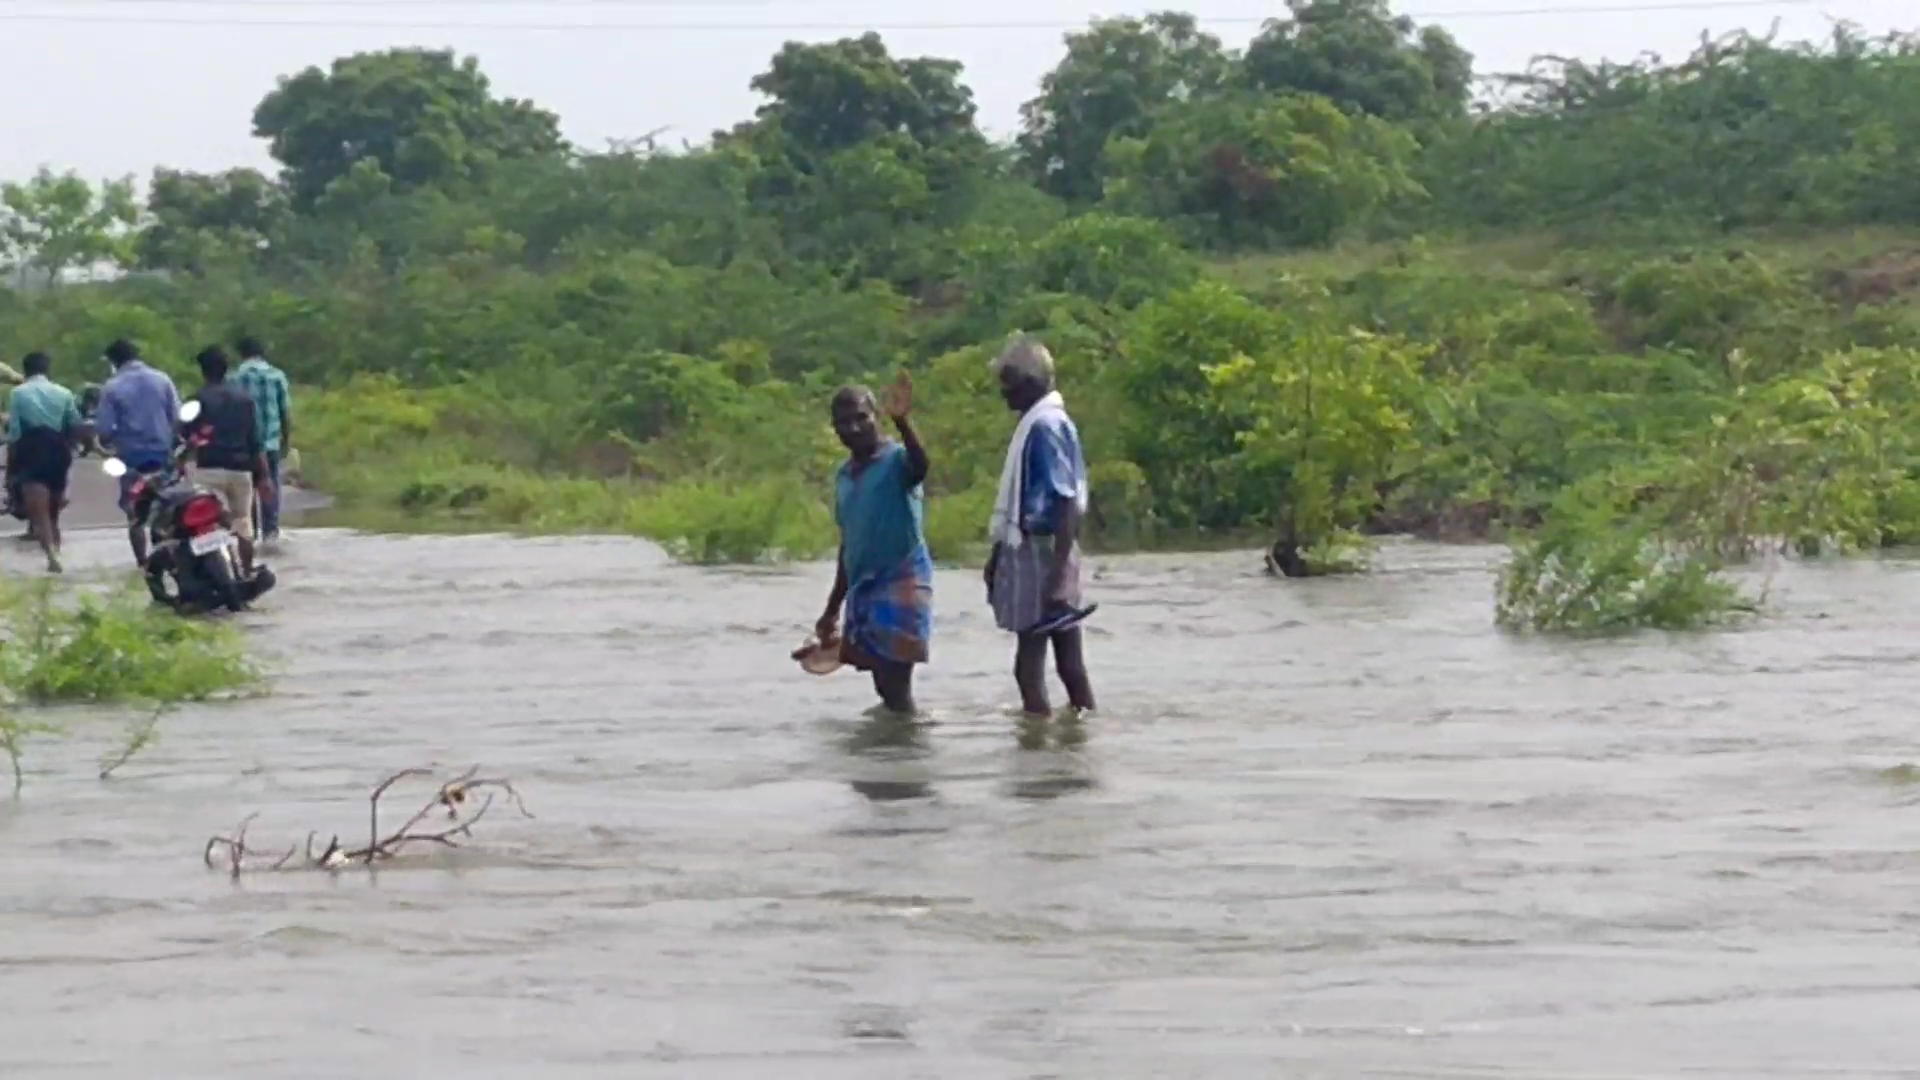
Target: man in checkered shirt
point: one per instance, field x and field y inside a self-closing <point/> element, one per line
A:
<point x="273" y="411"/>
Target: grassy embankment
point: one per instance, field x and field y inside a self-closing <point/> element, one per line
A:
<point x="1571" y="356"/>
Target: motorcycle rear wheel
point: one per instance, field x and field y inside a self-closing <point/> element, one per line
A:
<point x="220" y="573"/>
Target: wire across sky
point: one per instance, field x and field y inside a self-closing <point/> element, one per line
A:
<point x="212" y="13"/>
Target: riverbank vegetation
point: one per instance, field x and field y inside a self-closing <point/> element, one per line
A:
<point x="1641" y="320"/>
<point x="113" y="648"/>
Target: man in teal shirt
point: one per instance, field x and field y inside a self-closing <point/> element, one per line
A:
<point x="43" y="420"/>
<point x="884" y="574"/>
<point x="273" y="413"/>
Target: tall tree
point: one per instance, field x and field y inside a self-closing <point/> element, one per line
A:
<point x="860" y="152"/>
<point x="197" y="220"/>
<point x="829" y="97"/>
<point x="1259" y="170"/>
<point x="423" y="118"/>
<point x="57" y="222"/>
<point x="1115" y="75"/>
<point x="1364" y="58"/>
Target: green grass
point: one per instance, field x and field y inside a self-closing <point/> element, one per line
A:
<point x="698" y="521"/>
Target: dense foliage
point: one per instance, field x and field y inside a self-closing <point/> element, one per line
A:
<point x="1255" y="268"/>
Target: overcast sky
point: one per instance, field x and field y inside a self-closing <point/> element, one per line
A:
<point x="110" y="87"/>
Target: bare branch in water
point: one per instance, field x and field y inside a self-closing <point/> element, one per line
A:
<point x="235" y="846"/>
<point x="465" y="799"/>
<point x="373" y="806"/>
<point x="137" y="739"/>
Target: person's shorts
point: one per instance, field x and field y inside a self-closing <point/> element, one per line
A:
<point x="43" y="457"/>
<point x="236" y="487"/>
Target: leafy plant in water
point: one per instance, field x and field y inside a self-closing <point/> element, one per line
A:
<point x="1621" y="579"/>
<point x="1330" y="413"/>
<point x="1644" y="546"/>
<point x="113" y="649"/>
<point x="1598" y="566"/>
<point x="1819" y="460"/>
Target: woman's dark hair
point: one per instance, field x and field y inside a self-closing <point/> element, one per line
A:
<point x="36" y="363"/>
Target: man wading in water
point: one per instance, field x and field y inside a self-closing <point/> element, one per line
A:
<point x="885" y="575"/>
<point x="1033" y="575"/>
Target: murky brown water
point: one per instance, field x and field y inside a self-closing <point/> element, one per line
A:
<point x="1327" y="829"/>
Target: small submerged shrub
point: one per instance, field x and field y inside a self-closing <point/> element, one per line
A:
<point x="113" y="649"/>
<point x="1621" y="579"/>
<point x="107" y="649"/>
<point x="1601" y="565"/>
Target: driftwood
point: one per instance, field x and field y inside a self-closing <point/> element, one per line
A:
<point x="465" y="799"/>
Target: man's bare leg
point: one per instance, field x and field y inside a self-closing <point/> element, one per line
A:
<point x="1030" y="673"/>
<point x="1070" y="660"/>
<point x="40" y="513"/>
<point x="894" y="683"/>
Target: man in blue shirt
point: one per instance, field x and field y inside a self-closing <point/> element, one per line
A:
<point x="884" y="574"/>
<point x="138" y="421"/>
<point x="1033" y="574"/>
<point x="43" y="420"/>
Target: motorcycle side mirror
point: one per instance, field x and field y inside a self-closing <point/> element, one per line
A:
<point x="188" y="411"/>
<point x="114" y="467"/>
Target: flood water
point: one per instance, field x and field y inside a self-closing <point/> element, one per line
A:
<point x="1322" y="829"/>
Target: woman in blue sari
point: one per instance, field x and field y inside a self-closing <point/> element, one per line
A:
<point x="885" y="575"/>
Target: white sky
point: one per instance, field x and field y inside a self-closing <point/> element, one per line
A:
<point x="111" y="87"/>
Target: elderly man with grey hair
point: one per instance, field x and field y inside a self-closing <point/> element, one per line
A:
<point x="1033" y="574"/>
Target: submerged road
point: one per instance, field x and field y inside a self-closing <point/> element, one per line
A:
<point x="1323" y="828"/>
<point x="93" y="499"/>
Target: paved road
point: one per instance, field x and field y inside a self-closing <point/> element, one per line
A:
<point x="93" y="500"/>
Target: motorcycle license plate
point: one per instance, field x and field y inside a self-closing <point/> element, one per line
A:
<point x="209" y="541"/>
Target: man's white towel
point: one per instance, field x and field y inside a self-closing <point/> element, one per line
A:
<point x="1004" y="528"/>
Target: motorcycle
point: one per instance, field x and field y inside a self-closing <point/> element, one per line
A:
<point x="193" y="557"/>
